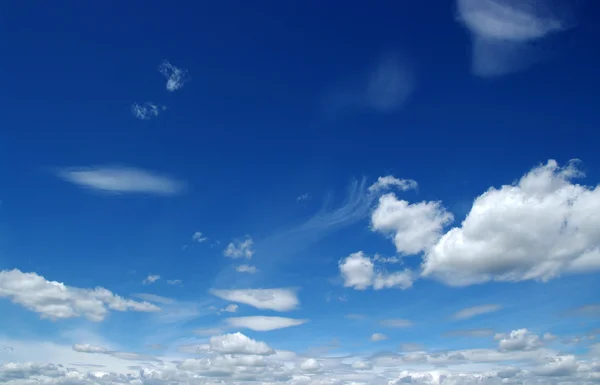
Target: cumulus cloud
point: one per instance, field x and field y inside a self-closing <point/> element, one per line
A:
<point x="413" y="227"/>
<point x="387" y="182"/>
<point x="311" y="365"/>
<point x="358" y="271"/>
<point x="264" y="323"/>
<point x="474" y="311"/>
<point x="264" y="299"/>
<point x="237" y="343"/>
<point x="231" y="308"/>
<point x="521" y="339"/>
<point x="55" y="300"/>
<point x="246" y="269"/>
<point x="378" y="337"/>
<point x="176" y="77"/>
<point x="122" y="180"/>
<point x="502" y="31"/>
<point x="146" y="111"/>
<point x="538" y="228"/>
<point x="240" y="249"/>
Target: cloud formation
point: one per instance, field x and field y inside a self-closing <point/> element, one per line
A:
<point x="264" y="299"/>
<point x="176" y="77"/>
<point x="147" y="110"/>
<point x="474" y="311"/>
<point x="240" y="249"/>
<point x="384" y="183"/>
<point x="502" y="31"/>
<point x="359" y="272"/>
<point x="246" y="269"/>
<point x="55" y="300"/>
<point x="122" y="180"/>
<point x="264" y="323"/>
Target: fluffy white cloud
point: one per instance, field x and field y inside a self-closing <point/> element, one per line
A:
<point x="502" y="29"/>
<point x="413" y="227"/>
<point x="176" y="77"/>
<point x="264" y="299"/>
<point x="240" y="249"/>
<point x="264" y="323"/>
<point x="521" y="339"/>
<point x="358" y="271"/>
<point x="151" y="279"/>
<point x="378" y="337"/>
<point x="231" y="308"/>
<point x="389" y="181"/>
<point x="246" y="269"/>
<point x="56" y="300"/>
<point x="536" y="229"/>
<point x="146" y="111"/>
<point x="122" y="180"/>
<point x="237" y="343"/>
<point x="474" y="311"/>
<point x="311" y="365"/>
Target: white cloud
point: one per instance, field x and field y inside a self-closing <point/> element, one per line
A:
<point x="414" y="227"/>
<point x="535" y="229"/>
<point x="521" y="339"/>
<point x="358" y="271"/>
<point x="231" y="308"/>
<point x="387" y="182"/>
<point x="237" y="343"/>
<point x="396" y="323"/>
<point x="154" y="298"/>
<point x="122" y="180"/>
<point x="264" y="299"/>
<point x="56" y="300"/>
<point x="246" y="269"/>
<point x="311" y="365"/>
<point x="378" y="337"/>
<point x="474" y="311"/>
<point x="240" y="249"/>
<point x="174" y="281"/>
<point x="151" y="279"/>
<point x="176" y="77"/>
<point x="199" y="237"/>
<point x="86" y="348"/>
<point x="362" y="365"/>
<point x="502" y="31"/>
<point x="146" y="111"/>
<point x="263" y="323"/>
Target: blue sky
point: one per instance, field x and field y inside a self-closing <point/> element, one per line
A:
<point x="378" y="193"/>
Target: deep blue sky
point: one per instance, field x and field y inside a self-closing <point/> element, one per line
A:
<point x="277" y="104"/>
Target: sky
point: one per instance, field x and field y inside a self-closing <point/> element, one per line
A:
<point x="299" y="192"/>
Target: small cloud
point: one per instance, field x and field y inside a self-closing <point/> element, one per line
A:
<point x="147" y="110"/>
<point x="390" y="260"/>
<point x="231" y="308"/>
<point x="176" y="77"/>
<point x="263" y="323"/>
<point x="246" y="269"/>
<point x="174" y="281"/>
<point x="199" y="237"/>
<point x="237" y="249"/>
<point x="474" y="311"/>
<point x="122" y="180"/>
<point x="303" y="197"/>
<point x="591" y="310"/>
<point x="385" y="183"/>
<point x="151" y="279"/>
<point x="358" y="271"/>
<point x="154" y="298"/>
<point x="378" y="337"/>
<point x="264" y="299"/>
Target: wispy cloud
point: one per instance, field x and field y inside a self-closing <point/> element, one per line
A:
<point x="396" y="323"/>
<point x="122" y="180"/>
<point x="147" y="110"/>
<point x="474" y="311"/>
<point x="385" y="88"/>
<point x="263" y="323"/>
<point x="591" y="310"/>
<point x="469" y="333"/>
<point x="302" y="197"/>
<point x="151" y="279"/>
<point x="502" y="31"/>
<point x="174" y="281"/>
<point x="264" y="299"/>
<point x="246" y="269"/>
<point x="240" y="249"/>
<point x="176" y="77"/>
<point x="199" y="237"/>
